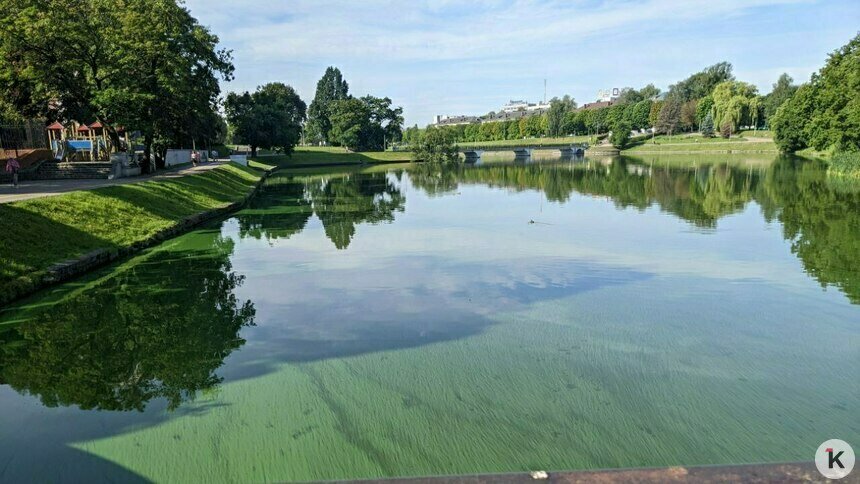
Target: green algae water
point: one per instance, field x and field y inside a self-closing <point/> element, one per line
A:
<point x="420" y="320"/>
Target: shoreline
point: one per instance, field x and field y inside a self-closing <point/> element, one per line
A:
<point x="69" y="269"/>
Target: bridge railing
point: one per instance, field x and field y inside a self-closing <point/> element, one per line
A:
<point x="548" y="146"/>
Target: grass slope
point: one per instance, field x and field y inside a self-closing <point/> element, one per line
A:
<point x="39" y="233"/>
<point x="687" y="143"/>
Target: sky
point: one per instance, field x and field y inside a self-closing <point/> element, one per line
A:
<point x="472" y="56"/>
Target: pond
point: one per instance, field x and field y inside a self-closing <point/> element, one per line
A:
<point x="420" y="320"/>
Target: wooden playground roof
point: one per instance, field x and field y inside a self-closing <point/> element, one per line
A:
<point x="96" y="125"/>
<point x="56" y="125"/>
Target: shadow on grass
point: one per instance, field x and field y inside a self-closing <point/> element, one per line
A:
<point x="41" y="232"/>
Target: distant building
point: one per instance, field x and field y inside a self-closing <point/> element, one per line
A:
<point x="440" y="120"/>
<point x="609" y="95"/>
<point x="514" y="106"/>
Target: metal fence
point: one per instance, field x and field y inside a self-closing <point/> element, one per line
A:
<point x="26" y="136"/>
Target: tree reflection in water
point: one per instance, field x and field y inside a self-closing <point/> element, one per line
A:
<point x="140" y="334"/>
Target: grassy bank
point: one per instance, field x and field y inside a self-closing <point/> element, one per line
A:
<point x="321" y="156"/>
<point x="845" y="165"/>
<point x="695" y="143"/>
<point x="39" y="233"/>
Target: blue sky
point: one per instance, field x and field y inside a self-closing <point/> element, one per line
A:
<point x="470" y="57"/>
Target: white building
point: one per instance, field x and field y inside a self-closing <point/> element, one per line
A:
<point x="513" y="106"/>
<point x="608" y="95"/>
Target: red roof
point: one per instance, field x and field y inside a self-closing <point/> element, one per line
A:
<point x="96" y="125"/>
<point x="83" y="128"/>
<point x="56" y="125"/>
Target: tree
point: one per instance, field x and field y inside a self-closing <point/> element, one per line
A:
<point x="825" y="113"/>
<point x="707" y="126"/>
<point x="654" y="114"/>
<point x="790" y="123"/>
<point x="649" y="92"/>
<point x="330" y="88"/>
<point x="269" y="118"/>
<point x="670" y="116"/>
<point x="639" y="115"/>
<point x="732" y="103"/>
<point x="701" y="83"/>
<point x="726" y="129"/>
<point x="688" y="114"/>
<point x="556" y="115"/>
<point x="148" y="66"/>
<point x="435" y="147"/>
<point x="386" y="123"/>
<point x="350" y="123"/>
<point x="620" y="135"/>
<point x="783" y="89"/>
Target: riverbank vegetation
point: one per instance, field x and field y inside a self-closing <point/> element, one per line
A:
<point x="824" y="114"/>
<point x="42" y="232"/>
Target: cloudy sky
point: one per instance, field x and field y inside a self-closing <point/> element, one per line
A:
<point x="471" y="56"/>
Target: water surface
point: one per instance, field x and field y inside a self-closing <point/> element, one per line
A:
<point x="425" y="320"/>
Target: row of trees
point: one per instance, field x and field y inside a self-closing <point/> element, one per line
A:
<point x="709" y="100"/>
<point x="148" y="65"/>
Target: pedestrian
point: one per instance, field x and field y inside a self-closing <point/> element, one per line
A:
<point x="12" y="166"/>
<point x="195" y="158"/>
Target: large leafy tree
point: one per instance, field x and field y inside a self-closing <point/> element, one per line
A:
<point x="366" y="123"/>
<point x="330" y="88"/>
<point x="701" y="83"/>
<point x="783" y="89"/>
<point x="825" y="113"/>
<point x="271" y="117"/>
<point x="147" y="65"/>
<point x="558" y="109"/>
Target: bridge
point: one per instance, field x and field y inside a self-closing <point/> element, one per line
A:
<point x="473" y="152"/>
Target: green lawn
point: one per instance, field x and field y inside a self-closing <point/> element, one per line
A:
<point x="697" y="143"/>
<point x="39" y="233"/>
<point x="529" y="141"/>
<point x="321" y="156"/>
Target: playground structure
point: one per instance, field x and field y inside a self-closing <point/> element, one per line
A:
<point x="81" y="142"/>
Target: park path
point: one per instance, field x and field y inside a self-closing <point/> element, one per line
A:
<point x="47" y="188"/>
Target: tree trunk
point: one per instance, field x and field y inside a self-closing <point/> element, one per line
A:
<point x="253" y="151"/>
<point x="146" y="166"/>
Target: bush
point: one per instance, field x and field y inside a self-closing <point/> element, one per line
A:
<point x="620" y="135"/>
<point x="726" y="129"/>
<point x="435" y="147"/>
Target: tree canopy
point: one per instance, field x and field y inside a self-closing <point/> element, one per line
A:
<point x="269" y="118"/>
<point x="330" y="88"/>
<point x="824" y="113"/>
<point x="149" y="65"/>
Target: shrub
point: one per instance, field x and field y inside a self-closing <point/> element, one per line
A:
<point x="846" y="164"/>
<point x="435" y="147"/>
<point x="726" y="129"/>
<point x="620" y="135"/>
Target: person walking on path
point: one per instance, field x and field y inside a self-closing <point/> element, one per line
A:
<point x="12" y="166"/>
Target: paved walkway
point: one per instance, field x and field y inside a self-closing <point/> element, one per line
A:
<point x="47" y="188"/>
